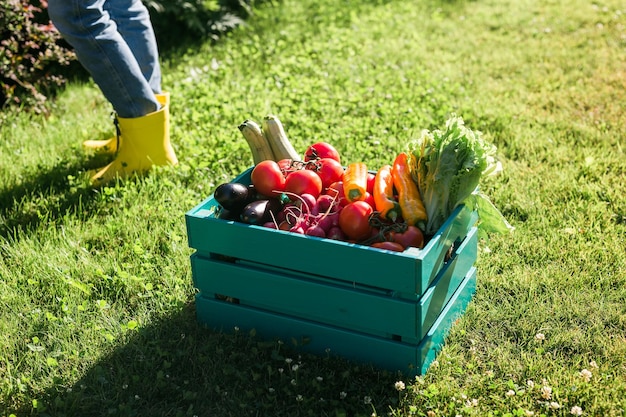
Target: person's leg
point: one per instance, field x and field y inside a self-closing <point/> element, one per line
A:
<point x="133" y="23"/>
<point x="102" y="50"/>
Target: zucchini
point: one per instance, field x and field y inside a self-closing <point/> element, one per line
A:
<point x="258" y="143"/>
<point x="278" y="140"/>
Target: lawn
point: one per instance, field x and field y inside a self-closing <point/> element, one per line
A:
<point x="97" y="314"/>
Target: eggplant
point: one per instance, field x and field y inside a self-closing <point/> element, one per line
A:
<point x="233" y="196"/>
<point x="260" y="211"/>
<point x="228" y="214"/>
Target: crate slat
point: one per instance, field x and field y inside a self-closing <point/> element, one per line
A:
<point x="322" y="339"/>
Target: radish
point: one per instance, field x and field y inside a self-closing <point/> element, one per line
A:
<point x="335" y="233"/>
<point x="326" y="202"/>
<point x="310" y="201"/>
<point x="315" y="230"/>
<point x="297" y="229"/>
<point x="328" y="220"/>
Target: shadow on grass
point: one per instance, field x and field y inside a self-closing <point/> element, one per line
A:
<point x="46" y="196"/>
<point x="176" y="367"/>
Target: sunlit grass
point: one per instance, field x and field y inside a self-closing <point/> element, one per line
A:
<point x="96" y="302"/>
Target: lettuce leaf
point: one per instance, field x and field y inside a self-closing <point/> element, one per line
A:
<point x="447" y="166"/>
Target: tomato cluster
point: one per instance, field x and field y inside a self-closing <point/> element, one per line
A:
<point x="309" y="197"/>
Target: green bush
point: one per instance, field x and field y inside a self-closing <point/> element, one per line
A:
<point x="195" y="19"/>
<point x="30" y="55"/>
<point x="34" y="60"/>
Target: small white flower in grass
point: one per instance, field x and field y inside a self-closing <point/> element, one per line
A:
<point x="540" y="337"/>
<point x="489" y="373"/>
<point x="367" y="399"/>
<point x="585" y="374"/>
<point x="288" y="360"/>
<point x="281" y="370"/>
<point x="529" y="413"/>
<point x="137" y="397"/>
<point x="343" y="395"/>
<point x="472" y="403"/>
<point x="319" y="378"/>
<point x="546" y="392"/>
<point x="593" y="365"/>
<point x="293" y="382"/>
<point x="510" y="393"/>
<point x="530" y="383"/>
<point x="399" y="385"/>
<point x="554" y="405"/>
<point x="299" y="398"/>
<point x="271" y="390"/>
<point x="295" y="367"/>
<point x="576" y="411"/>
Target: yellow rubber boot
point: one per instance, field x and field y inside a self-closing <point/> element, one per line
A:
<point x="146" y="144"/>
<point x="110" y="146"/>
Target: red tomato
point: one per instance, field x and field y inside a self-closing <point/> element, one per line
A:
<point x="411" y="237"/>
<point x="267" y="178"/>
<point x="304" y="181"/>
<point x="393" y="246"/>
<point x="354" y="220"/>
<point x="336" y="190"/>
<point x="321" y="150"/>
<point x="369" y="199"/>
<point x="286" y="165"/>
<point x="329" y="171"/>
<point x="370" y="182"/>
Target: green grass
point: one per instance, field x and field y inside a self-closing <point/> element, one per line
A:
<point x="96" y="301"/>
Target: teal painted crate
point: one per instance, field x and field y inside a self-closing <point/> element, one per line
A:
<point x="321" y="339"/>
<point x="334" y="292"/>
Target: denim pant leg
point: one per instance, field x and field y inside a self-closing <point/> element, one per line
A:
<point x="133" y="23"/>
<point x="102" y="50"/>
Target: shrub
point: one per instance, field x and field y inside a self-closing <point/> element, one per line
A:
<point x="30" y="54"/>
<point x="33" y="54"/>
<point x="196" y="19"/>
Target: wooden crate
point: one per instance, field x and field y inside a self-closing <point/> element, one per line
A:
<point x="386" y="308"/>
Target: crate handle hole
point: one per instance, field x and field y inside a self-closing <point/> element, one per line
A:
<point x="227" y="299"/>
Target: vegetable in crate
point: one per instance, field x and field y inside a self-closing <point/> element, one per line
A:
<point x="233" y="196"/>
<point x="447" y="166"/>
<point x="321" y="150"/>
<point x="275" y="133"/>
<point x="411" y="204"/>
<point x="355" y="181"/>
<point x="384" y="199"/>
<point x="258" y="143"/>
<point x="268" y="179"/>
<point x="261" y="211"/>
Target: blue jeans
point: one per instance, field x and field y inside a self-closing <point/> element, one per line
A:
<point x="115" y="42"/>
